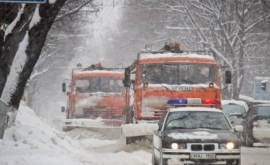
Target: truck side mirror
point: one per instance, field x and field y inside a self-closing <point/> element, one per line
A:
<point x="228" y="77"/>
<point x="127" y="81"/>
<point x="62" y="109"/>
<point x="63" y="87"/>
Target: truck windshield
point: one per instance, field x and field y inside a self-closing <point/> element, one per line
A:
<point x="197" y="120"/>
<point x="176" y="74"/>
<point x="99" y="84"/>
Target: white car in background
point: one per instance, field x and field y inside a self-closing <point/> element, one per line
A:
<point x="234" y="110"/>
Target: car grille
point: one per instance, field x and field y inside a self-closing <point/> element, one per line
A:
<point x="199" y="147"/>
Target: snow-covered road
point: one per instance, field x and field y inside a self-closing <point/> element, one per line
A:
<point x="106" y="149"/>
<point x="255" y="156"/>
<point x="32" y="140"/>
<point x="109" y="150"/>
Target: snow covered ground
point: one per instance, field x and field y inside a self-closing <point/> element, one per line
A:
<point x="34" y="141"/>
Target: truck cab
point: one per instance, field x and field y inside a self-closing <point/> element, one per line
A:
<point x="96" y="94"/>
<point x="173" y="74"/>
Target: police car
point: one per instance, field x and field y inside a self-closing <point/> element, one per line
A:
<point x="196" y="135"/>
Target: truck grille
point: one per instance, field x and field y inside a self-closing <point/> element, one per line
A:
<point x="103" y="113"/>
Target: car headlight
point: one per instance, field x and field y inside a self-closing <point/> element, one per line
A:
<point x="174" y="146"/>
<point x="230" y="146"/>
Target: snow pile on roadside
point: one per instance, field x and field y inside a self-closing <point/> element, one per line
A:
<point x="142" y="145"/>
<point x="93" y="133"/>
<point x="138" y="129"/>
<point x="33" y="141"/>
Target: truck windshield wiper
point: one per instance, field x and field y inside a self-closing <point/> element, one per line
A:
<point x="193" y="83"/>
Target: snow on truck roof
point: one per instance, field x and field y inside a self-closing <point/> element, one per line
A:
<point x="174" y="55"/>
<point x="99" y="71"/>
<point x="194" y="109"/>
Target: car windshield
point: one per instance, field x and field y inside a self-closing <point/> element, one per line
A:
<point x="99" y="84"/>
<point x="233" y="109"/>
<point x="184" y="73"/>
<point x="264" y="111"/>
<point x="196" y="119"/>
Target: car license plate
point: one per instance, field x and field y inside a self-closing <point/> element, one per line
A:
<point x="202" y="156"/>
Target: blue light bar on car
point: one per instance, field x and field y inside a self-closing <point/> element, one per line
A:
<point x="193" y="101"/>
<point x="177" y="101"/>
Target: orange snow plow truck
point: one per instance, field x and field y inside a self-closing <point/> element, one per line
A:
<point x="96" y="98"/>
<point x="165" y="78"/>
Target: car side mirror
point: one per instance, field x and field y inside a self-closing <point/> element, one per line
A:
<point x="244" y="116"/>
<point x="238" y="128"/>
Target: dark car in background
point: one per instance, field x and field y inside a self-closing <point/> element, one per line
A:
<point x="256" y="125"/>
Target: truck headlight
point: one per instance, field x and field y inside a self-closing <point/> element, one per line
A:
<point x="174" y="146"/>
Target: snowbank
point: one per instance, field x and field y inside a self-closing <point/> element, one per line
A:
<point x="138" y="129"/>
<point x="33" y="141"/>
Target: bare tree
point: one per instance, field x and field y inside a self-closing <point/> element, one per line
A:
<point x="23" y="38"/>
<point x="232" y="29"/>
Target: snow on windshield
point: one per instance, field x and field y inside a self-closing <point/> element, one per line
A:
<point x="193" y="135"/>
<point x="196" y="119"/>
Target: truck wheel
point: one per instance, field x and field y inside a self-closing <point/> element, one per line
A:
<point x="249" y="140"/>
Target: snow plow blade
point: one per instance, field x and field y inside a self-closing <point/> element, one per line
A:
<point x="137" y="132"/>
<point x="69" y="124"/>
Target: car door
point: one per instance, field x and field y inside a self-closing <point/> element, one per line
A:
<point x="156" y="139"/>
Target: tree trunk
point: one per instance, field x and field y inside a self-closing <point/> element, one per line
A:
<point x="37" y="36"/>
<point x="9" y="44"/>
